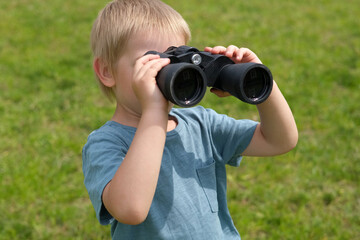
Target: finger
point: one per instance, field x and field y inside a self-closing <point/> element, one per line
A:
<point x="239" y="54"/>
<point x="151" y="68"/>
<point x="146" y="58"/>
<point x="218" y="50"/>
<point x="243" y="54"/>
<point x="246" y="55"/>
<point x="219" y="92"/>
<point x="140" y="62"/>
<point x="231" y="51"/>
<point x="208" y="49"/>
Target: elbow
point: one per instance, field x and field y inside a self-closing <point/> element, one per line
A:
<point x="294" y="139"/>
<point x="134" y="218"/>
<point x="132" y="215"/>
<point x="290" y="142"/>
<point x="283" y="145"/>
<point x="124" y="209"/>
<point x="291" y="146"/>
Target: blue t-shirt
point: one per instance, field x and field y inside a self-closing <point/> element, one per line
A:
<point x="190" y="198"/>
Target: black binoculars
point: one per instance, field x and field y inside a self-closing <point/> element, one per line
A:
<point x="184" y="80"/>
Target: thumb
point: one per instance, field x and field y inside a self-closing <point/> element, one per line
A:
<point x="219" y="93"/>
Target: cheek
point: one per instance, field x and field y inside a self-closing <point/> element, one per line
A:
<point x="124" y="74"/>
<point x="123" y="87"/>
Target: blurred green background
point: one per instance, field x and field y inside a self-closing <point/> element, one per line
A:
<point x="50" y="102"/>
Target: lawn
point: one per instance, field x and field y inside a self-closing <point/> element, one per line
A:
<point x="50" y="102"/>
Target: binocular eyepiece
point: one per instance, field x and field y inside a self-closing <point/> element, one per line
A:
<point x="184" y="80"/>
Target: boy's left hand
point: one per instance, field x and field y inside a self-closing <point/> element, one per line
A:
<point x="238" y="55"/>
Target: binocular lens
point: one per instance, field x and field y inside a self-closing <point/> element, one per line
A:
<point x="186" y="85"/>
<point x="249" y="82"/>
<point x="255" y="83"/>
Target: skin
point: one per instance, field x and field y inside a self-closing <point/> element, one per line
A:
<point x="277" y="133"/>
<point x="128" y="196"/>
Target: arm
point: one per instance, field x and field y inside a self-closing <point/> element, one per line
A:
<point x="277" y="132"/>
<point x="128" y="196"/>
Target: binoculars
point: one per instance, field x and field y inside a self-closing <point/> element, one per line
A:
<point x="184" y="80"/>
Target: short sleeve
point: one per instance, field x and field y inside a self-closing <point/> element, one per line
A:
<point x="230" y="136"/>
<point x="102" y="156"/>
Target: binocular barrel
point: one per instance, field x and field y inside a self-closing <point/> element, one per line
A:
<point x="250" y="82"/>
<point x="184" y="84"/>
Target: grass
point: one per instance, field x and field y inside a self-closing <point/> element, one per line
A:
<point x="49" y="103"/>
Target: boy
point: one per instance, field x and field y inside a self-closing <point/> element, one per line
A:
<point x="155" y="172"/>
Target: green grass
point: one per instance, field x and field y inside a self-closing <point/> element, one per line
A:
<point x="50" y="102"/>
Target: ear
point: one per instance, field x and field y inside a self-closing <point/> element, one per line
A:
<point x="103" y="72"/>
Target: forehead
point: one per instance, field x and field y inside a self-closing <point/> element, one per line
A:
<point x="143" y="41"/>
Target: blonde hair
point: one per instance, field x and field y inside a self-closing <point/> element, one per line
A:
<point x="121" y="19"/>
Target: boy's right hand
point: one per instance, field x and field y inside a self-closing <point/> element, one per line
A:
<point x="128" y="196"/>
<point x="144" y="82"/>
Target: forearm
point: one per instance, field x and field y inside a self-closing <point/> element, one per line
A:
<point x="277" y="132"/>
<point x="277" y="125"/>
<point x="130" y="193"/>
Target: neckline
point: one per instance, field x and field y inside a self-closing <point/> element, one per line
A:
<point x="176" y="130"/>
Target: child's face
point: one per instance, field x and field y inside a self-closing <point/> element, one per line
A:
<point x="136" y="48"/>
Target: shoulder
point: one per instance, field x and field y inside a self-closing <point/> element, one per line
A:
<point x="198" y="113"/>
<point x="112" y="130"/>
<point x="206" y="116"/>
<point x="111" y="134"/>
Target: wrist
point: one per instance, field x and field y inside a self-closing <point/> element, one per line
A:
<point x="156" y="115"/>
